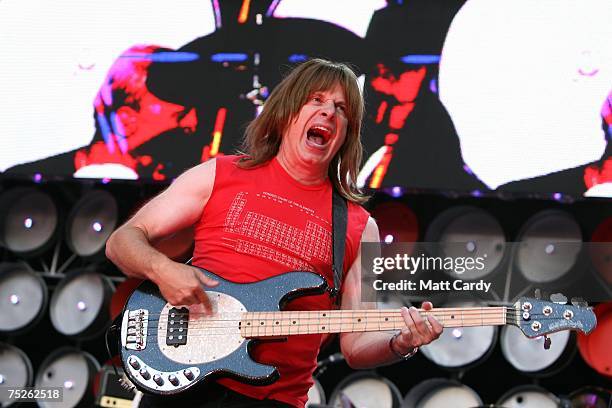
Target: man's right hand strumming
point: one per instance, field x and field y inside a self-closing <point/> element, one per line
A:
<point x="182" y="284"/>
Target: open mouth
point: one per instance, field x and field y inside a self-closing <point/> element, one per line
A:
<point x="319" y="135"/>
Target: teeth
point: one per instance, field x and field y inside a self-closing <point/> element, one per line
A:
<point x="319" y="134"/>
<point x="325" y="130"/>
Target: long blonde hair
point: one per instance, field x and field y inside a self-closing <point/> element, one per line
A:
<point x="264" y="134"/>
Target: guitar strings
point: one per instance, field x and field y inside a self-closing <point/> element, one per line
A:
<point x="324" y="319"/>
<point x="438" y="311"/>
<point x="270" y="330"/>
<point x="347" y="314"/>
<point x="316" y="322"/>
<point x="484" y="310"/>
<point x="435" y="310"/>
<point x="235" y="328"/>
<point x="256" y="332"/>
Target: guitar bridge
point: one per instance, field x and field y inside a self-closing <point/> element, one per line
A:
<point x="134" y="329"/>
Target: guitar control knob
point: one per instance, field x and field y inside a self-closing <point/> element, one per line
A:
<point x="158" y="379"/>
<point x="134" y="363"/>
<point x="173" y="380"/>
<point x="188" y="374"/>
<point x="144" y="373"/>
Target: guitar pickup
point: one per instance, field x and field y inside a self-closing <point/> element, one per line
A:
<point x="178" y="324"/>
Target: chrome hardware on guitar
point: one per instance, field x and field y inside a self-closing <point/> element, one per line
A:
<point x="134" y="329"/>
<point x="160" y="380"/>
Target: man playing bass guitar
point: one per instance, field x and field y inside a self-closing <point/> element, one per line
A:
<point x="267" y="212"/>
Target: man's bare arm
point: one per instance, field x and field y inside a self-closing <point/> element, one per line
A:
<point x="371" y="349"/>
<point x="178" y="246"/>
<point x="177" y="208"/>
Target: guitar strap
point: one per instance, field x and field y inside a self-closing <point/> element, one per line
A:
<point x="339" y="222"/>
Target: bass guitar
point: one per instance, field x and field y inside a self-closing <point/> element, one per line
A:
<point x="167" y="349"/>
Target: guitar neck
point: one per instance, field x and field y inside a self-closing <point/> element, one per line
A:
<point x="286" y="323"/>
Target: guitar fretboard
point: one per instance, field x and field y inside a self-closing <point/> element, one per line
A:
<point x="286" y="323"/>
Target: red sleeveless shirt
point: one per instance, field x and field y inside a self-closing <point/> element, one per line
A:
<point x="260" y="223"/>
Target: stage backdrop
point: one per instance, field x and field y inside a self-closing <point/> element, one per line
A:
<point x="461" y="95"/>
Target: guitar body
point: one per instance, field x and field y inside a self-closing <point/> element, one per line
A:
<point x="167" y="349"/>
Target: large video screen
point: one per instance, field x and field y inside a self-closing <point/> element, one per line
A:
<point x="473" y="95"/>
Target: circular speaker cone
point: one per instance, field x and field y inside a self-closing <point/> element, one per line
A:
<point x="550" y="243"/>
<point x="591" y="397"/>
<point x="28" y="221"/>
<point x="461" y="347"/>
<point x="366" y="389"/>
<point x="396" y="222"/>
<point x="15" y="370"/>
<point x="595" y="348"/>
<point x="80" y="304"/>
<point x="529" y="396"/>
<point x="23" y="298"/>
<point x="316" y="394"/>
<point x="91" y="221"/>
<point x="601" y="249"/>
<point x="468" y="232"/>
<point x="528" y="355"/>
<point x="73" y="371"/>
<point x="441" y="393"/>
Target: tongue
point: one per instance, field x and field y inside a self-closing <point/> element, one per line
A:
<point x="316" y="139"/>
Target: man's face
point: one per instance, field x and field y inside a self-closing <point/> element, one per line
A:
<point x="316" y="134"/>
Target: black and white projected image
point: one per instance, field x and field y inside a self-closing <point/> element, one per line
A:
<point x="457" y="97"/>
